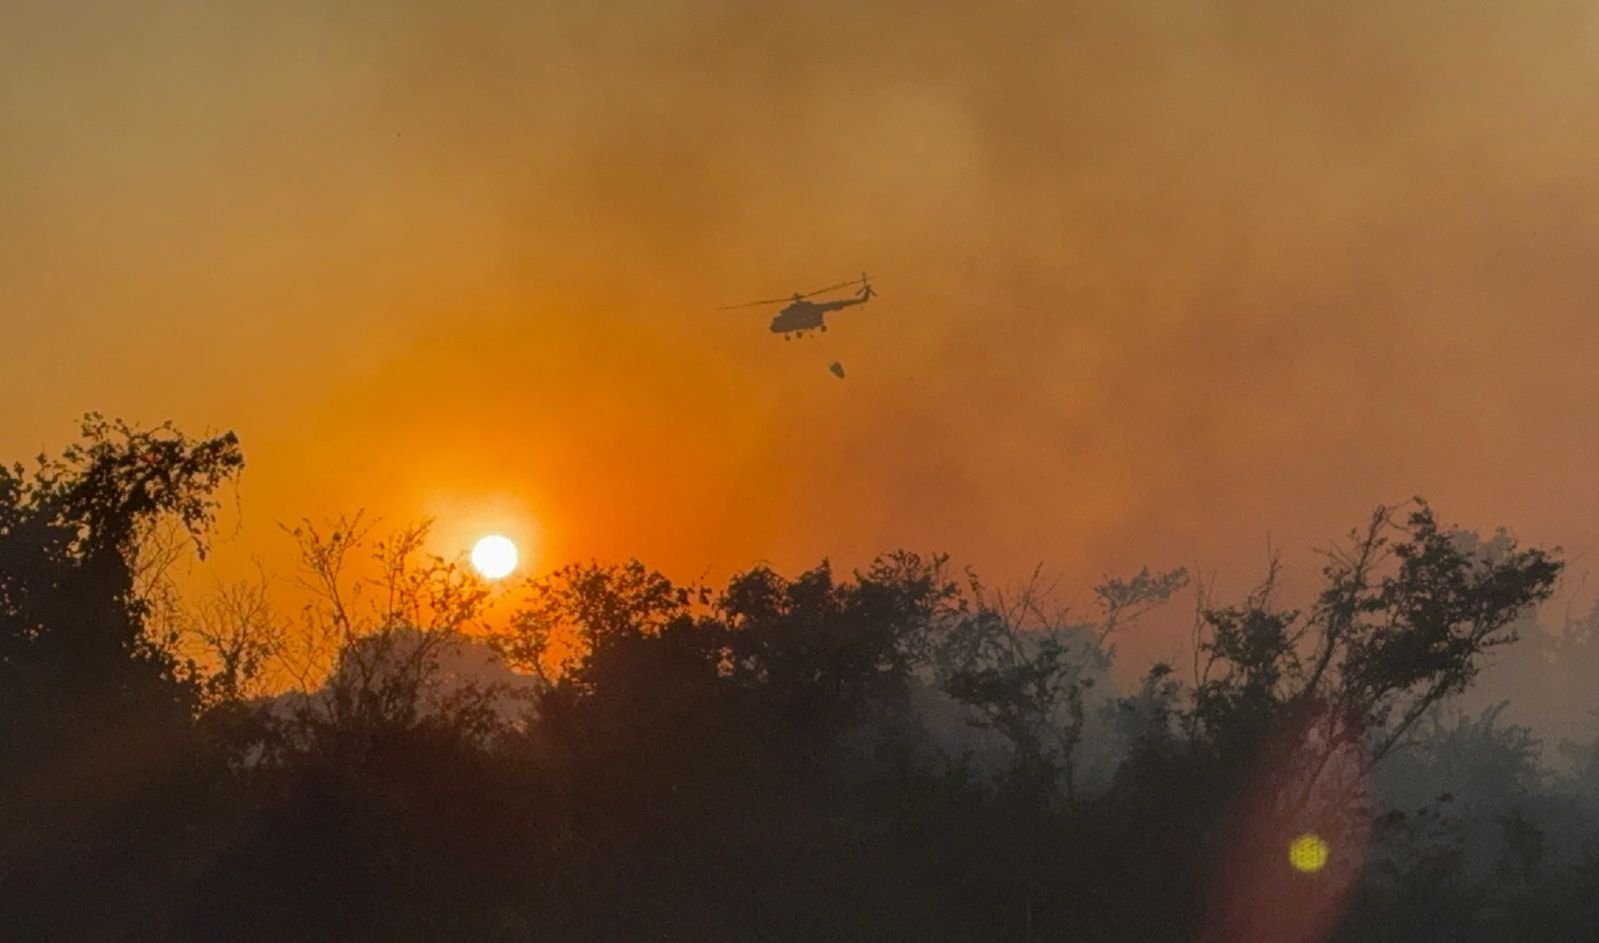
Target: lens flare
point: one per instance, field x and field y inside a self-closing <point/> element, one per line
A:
<point x="1307" y="854"/>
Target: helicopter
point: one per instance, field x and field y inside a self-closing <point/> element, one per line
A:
<point x="801" y="315"/>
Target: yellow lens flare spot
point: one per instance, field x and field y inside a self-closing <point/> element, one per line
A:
<point x="494" y="556"/>
<point x="1307" y="853"/>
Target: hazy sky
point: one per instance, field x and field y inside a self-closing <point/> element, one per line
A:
<point x="1157" y="279"/>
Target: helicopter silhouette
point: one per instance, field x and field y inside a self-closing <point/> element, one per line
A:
<point x="802" y="315"/>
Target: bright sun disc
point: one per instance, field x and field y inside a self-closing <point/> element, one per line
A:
<point x="494" y="556"/>
<point x="1308" y="854"/>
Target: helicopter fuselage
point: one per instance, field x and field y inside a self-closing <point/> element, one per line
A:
<point x="801" y="316"/>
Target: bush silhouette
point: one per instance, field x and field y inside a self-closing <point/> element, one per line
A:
<point x="897" y="753"/>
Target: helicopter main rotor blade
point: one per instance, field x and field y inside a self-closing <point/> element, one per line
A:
<point x="769" y="301"/>
<point x="828" y="288"/>
<point x="862" y="281"/>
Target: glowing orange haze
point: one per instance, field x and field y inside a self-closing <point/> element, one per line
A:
<point x="1156" y="282"/>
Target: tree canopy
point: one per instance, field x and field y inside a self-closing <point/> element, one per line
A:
<point x="893" y="753"/>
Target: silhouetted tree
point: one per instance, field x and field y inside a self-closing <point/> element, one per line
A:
<point x="1029" y="673"/>
<point x="96" y="717"/>
<point x="1291" y="707"/>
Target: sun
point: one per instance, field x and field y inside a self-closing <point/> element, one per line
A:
<point x="494" y="556"/>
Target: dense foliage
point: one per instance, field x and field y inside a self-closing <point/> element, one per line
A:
<point x="899" y="753"/>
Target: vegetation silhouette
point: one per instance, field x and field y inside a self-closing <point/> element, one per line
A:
<point x="899" y="753"/>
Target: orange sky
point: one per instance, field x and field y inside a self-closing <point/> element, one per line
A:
<point x="1157" y="280"/>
